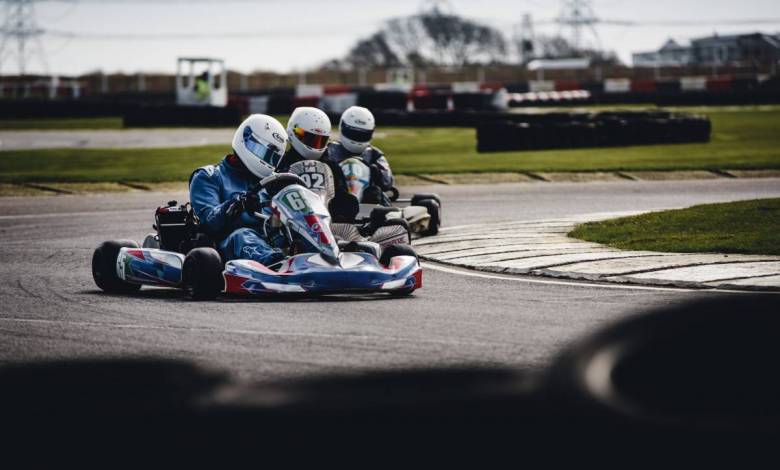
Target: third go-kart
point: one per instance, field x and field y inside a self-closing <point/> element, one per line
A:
<point x="179" y="255"/>
<point x="422" y="211"/>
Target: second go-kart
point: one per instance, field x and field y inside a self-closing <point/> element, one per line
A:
<point x="381" y="225"/>
<point x="180" y="256"/>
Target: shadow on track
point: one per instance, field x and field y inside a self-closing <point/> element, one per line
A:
<point x="176" y="295"/>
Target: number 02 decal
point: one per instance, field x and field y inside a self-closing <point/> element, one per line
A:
<point x="313" y="180"/>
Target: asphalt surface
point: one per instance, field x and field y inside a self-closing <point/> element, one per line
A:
<point x="51" y="309"/>
<point x="111" y="138"/>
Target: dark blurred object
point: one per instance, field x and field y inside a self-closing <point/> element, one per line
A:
<point x="184" y="116"/>
<point x="690" y="381"/>
<point x="584" y="130"/>
<point x="705" y="366"/>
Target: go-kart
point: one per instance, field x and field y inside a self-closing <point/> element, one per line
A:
<point x="179" y="255"/>
<point x="422" y="211"/>
<point x="347" y="222"/>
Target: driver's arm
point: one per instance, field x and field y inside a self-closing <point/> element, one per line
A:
<point x="205" y="195"/>
<point x="381" y="168"/>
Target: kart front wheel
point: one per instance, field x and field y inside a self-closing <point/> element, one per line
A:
<point x="104" y="267"/>
<point x="391" y="251"/>
<point x="202" y="273"/>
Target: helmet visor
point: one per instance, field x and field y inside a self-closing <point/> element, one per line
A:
<point x="270" y="154"/>
<point x="310" y="139"/>
<point x="356" y="134"/>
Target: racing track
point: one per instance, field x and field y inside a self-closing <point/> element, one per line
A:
<point x="50" y="308"/>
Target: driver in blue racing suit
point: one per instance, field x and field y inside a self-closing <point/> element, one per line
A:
<point x="224" y="196"/>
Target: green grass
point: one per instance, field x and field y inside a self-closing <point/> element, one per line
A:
<point x="62" y="123"/>
<point x="744" y="138"/>
<point x="748" y="227"/>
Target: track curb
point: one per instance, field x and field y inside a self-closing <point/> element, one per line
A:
<point x="541" y="248"/>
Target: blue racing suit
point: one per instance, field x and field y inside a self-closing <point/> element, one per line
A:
<point x="213" y="190"/>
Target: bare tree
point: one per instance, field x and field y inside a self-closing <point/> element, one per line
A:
<point x="430" y="38"/>
<point x="372" y="52"/>
<point x="556" y="47"/>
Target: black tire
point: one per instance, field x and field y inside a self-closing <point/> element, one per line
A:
<point x="392" y="251"/>
<point x="202" y="273"/>
<point x="361" y="247"/>
<point x="378" y="215"/>
<point x="420" y="197"/>
<point x="104" y="267"/>
<point x="434" y="209"/>
<point x="398" y="250"/>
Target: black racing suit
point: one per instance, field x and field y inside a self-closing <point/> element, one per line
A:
<point x="382" y="176"/>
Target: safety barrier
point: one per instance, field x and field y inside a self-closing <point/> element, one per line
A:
<point x="582" y="130"/>
<point x="182" y="116"/>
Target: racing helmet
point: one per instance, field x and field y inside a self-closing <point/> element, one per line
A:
<point x="357" y="128"/>
<point x="260" y="142"/>
<point x="309" y="130"/>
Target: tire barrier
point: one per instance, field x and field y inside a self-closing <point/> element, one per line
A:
<point x="114" y="105"/>
<point x="608" y="129"/>
<point x="383" y="100"/>
<point x="182" y="116"/>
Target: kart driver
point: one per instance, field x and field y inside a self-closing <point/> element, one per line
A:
<point x="356" y="127"/>
<point x="224" y="196"/>
<point x="309" y="131"/>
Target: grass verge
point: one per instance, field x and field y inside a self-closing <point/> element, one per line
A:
<point x="746" y="227"/>
<point x="744" y="139"/>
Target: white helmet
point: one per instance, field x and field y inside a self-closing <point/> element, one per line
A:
<point x="260" y="142"/>
<point x="309" y="130"/>
<point x="357" y="128"/>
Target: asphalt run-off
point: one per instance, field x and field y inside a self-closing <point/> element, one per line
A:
<point x="51" y="308"/>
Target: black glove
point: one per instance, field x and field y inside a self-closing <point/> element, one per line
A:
<point x="247" y="201"/>
<point x="250" y="201"/>
<point x="376" y="175"/>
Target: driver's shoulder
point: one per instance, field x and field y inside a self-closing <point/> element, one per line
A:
<point x="211" y="172"/>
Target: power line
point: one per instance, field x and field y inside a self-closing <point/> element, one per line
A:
<point x="21" y="27"/>
<point x="578" y="16"/>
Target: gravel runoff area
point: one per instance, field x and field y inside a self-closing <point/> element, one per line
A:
<point x="541" y="247"/>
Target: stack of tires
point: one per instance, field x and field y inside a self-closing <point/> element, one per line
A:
<point x="561" y="131"/>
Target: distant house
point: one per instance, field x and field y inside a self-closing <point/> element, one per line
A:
<point x="752" y="49"/>
<point x="670" y="54"/>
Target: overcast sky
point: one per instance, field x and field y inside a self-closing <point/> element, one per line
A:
<point x="291" y="35"/>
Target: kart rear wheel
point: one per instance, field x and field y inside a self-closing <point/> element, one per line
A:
<point x="416" y="198"/>
<point x="378" y="215"/>
<point x="104" y="267"/>
<point x="434" y="209"/>
<point x="202" y="273"/>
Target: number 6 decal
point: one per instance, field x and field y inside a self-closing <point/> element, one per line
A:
<point x="295" y="201"/>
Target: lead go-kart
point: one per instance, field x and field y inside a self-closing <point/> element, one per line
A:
<point x="179" y="255"/>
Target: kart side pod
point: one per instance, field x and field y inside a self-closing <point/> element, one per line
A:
<point x="150" y="266"/>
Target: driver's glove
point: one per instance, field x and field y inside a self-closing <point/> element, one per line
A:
<point x="250" y="201"/>
<point x="247" y="201"/>
<point x="376" y="175"/>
